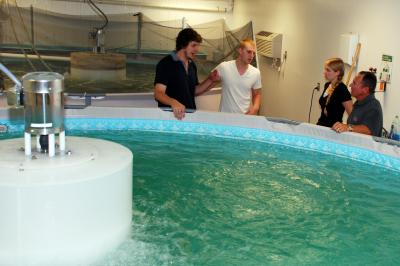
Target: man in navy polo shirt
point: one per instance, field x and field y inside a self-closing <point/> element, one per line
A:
<point x="176" y="83"/>
<point x="366" y="117"/>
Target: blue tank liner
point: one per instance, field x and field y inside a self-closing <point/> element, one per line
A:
<point x="226" y="131"/>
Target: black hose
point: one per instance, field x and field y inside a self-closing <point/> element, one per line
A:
<point x="101" y="12"/>
<point x="312" y="97"/>
<point x="2" y="86"/>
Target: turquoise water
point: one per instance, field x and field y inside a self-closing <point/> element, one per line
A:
<point x="204" y="200"/>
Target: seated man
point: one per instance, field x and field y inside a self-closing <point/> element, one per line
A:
<point x="366" y="117"/>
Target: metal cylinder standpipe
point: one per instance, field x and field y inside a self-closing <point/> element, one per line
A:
<point x="43" y="102"/>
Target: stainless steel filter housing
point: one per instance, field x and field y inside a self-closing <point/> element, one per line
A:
<point x="43" y="102"/>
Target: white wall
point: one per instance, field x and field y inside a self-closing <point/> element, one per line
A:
<point x="311" y="30"/>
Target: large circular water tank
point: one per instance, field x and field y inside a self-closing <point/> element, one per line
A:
<point x="98" y="66"/>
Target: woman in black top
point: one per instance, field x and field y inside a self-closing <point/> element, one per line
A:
<point x="336" y="97"/>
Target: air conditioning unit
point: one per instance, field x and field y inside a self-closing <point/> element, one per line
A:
<point x="269" y="44"/>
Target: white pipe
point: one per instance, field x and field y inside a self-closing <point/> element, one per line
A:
<point x="28" y="145"/>
<point x="33" y="56"/>
<point x="10" y="75"/>
<point x="38" y="147"/>
<point x="52" y="145"/>
<point x="61" y="137"/>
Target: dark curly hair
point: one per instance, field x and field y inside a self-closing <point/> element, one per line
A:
<point x="186" y="36"/>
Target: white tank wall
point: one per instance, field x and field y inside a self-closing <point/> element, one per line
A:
<point x="71" y="209"/>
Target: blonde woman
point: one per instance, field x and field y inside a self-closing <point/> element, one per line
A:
<point x="335" y="98"/>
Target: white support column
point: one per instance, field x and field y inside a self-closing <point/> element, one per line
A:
<point x="61" y="138"/>
<point x="28" y="144"/>
<point x="52" y="145"/>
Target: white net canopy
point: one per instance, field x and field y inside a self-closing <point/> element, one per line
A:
<point x="32" y="31"/>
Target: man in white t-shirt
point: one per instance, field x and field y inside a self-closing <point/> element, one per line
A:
<point x="241" y="82"/>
